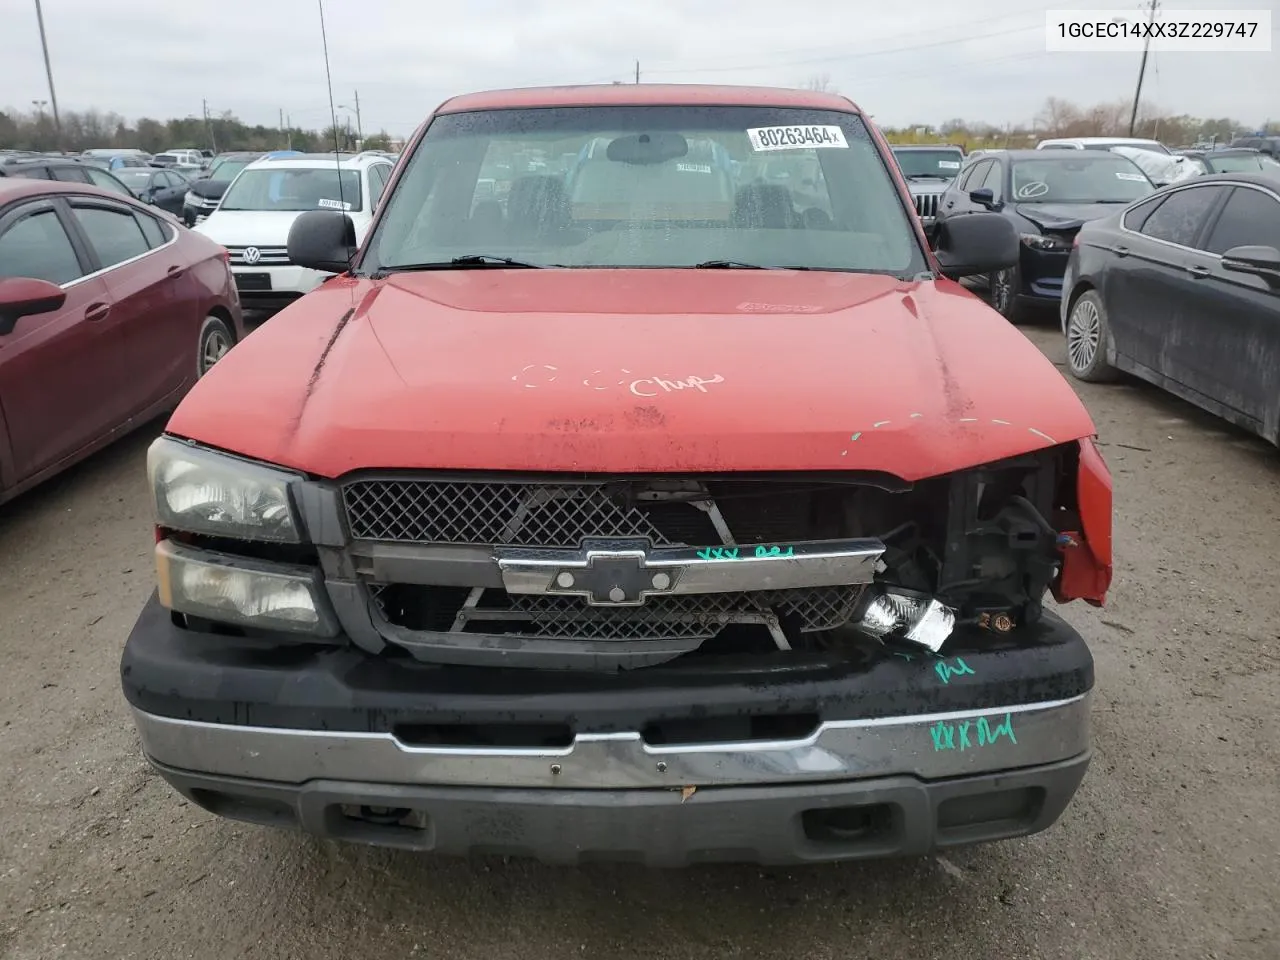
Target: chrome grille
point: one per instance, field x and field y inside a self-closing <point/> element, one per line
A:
<point x="519" y="514"/>
<point x="268" y="256"/>
<point x="696" y="617"/>
<point x="927" y="205"/>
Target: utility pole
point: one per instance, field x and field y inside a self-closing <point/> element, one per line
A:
<point x="282" y="123"/>
<point x="359" y="125"/>
<point x="288" y="123"/>
<point x="213" y="141"/>
<point x="1142" y="70"/>
<point x="637" y="71"/>
<point x="48" y="70"/>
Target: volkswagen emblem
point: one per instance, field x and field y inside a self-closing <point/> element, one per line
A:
<point x="252" y="255"/>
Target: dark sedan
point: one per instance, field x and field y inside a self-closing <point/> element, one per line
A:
<point x="109" y="312"/>
<point x="1048" y="195"/>
<point x="67" y="169"/>
<point x="162" y="188"/>
<point x="1183" y="290"/>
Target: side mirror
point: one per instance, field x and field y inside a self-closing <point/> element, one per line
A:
<point x="323" y="240"/>
<point x="24" y="297"/>
<point x="983" y="195"/>
<point x="1261" y="262"/>
<point x="975" y="243"/>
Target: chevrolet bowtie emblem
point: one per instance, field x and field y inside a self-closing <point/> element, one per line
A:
<point x="617" y="574"/>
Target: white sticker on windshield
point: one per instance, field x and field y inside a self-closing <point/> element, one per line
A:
<point x="795" y="138"/>
<point x="1131" y="176"/>
<point x="948" y="164"/>
<point x="694" y="167"/>
<point x="333" y="204"/>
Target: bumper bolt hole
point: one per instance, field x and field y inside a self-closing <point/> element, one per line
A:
<point x="662" y="766"/>
<point x="555" y="769"/>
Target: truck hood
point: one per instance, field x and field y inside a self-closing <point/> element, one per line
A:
<point x="634" y="371"/>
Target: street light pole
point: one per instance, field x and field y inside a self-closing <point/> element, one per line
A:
<point x="48" y="70"/>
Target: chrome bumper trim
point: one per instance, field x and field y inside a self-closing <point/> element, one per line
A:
<point x="624" y="573"/>
<point x="929" y="746"/>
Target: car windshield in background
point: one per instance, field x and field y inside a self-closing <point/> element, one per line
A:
<point x="929" y="163"/>
<point x="293" y="189"/>
<point x="133" y="178"/>
<point x="227" y="169"/>
<point x="1079" y="178"/>
<point x="648" y="186"/>
<point x="1245" y="163"/>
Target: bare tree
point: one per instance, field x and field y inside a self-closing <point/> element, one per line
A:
<point x="821" y="82"/>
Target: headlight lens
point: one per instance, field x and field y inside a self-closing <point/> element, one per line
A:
<point x="190" y="200"/>
<point x="248" y="593"/>
<point x="1039" y="241"/>
<point x="201" y="491"/>
<point x="921" y="620"/>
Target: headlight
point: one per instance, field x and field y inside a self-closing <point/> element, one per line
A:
<point x="920" y="619"/>
<point x="201" y="491"/>
<point x="249" y="593"/>
<point x="1038" y="241"/>
<point x="189" y="199"/>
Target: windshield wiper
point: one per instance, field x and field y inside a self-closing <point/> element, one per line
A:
<point x="730" y="265"/>
<point x="470" y="260"/>
<point x="926" y="176"/>
<point x="488" y="259"/>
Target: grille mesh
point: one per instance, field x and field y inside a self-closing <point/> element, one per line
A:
<point x="521" y="514"/>
<point x="702" y="616"/>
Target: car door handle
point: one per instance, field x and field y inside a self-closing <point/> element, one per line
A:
<point x="174" y="271"/>
<point x="951" y="203"/>
<point x="97" y="311"/>
<point x="1198" y="271"/>
<point x="1120" y="251"/>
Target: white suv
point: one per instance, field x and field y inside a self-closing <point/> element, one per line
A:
<point x="255" y="214"/>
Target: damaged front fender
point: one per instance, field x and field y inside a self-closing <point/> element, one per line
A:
<point x="1086" y="555"/>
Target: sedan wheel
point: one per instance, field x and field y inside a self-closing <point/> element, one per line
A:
<point x="215" y="340"/>
<point x="1087" y="339"/>
<point x="1005" y="285"/>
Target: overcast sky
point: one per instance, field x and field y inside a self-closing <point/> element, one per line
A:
<point x="913" y="61"/>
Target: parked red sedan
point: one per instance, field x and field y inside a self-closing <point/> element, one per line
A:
<point x="109" y="313"/>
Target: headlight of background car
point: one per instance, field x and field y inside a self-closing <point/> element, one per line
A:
<point x="200" y="491"/>
<point x="236" y="590"/>
<point x="190" y="200"/>
<point x="1040" y="242"/>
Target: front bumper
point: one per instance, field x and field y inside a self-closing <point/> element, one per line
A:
<point x="890" y="756"/>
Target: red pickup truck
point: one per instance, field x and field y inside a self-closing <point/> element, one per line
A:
<point x="630" y="516"/>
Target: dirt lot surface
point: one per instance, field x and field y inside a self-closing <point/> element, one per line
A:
<point x="1171" y="850"/>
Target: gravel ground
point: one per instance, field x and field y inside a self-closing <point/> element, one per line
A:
<point x="1171" y="849"/>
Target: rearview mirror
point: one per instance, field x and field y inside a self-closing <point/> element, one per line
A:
<point x="323" y="240"/>
<point x="1260" y="261"/>
<point x="983" y="195"/>
<point x="974" y="243"/>
<point x="24" y="297"/>
<point x="647" y="148"/>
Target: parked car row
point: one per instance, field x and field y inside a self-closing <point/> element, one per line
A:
<point x="1162" y="264"/>
<point x="109" y="312"/>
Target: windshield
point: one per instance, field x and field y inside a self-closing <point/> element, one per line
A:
<point x="294" y="188"/>
<point x="133" y="177"/>
<point x="929" y="163"/>
<point x="1079" y="178"/>
<point x="1244" y="163"/>
<point x="227" y="169"/>
<point x="649" y="186"/>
